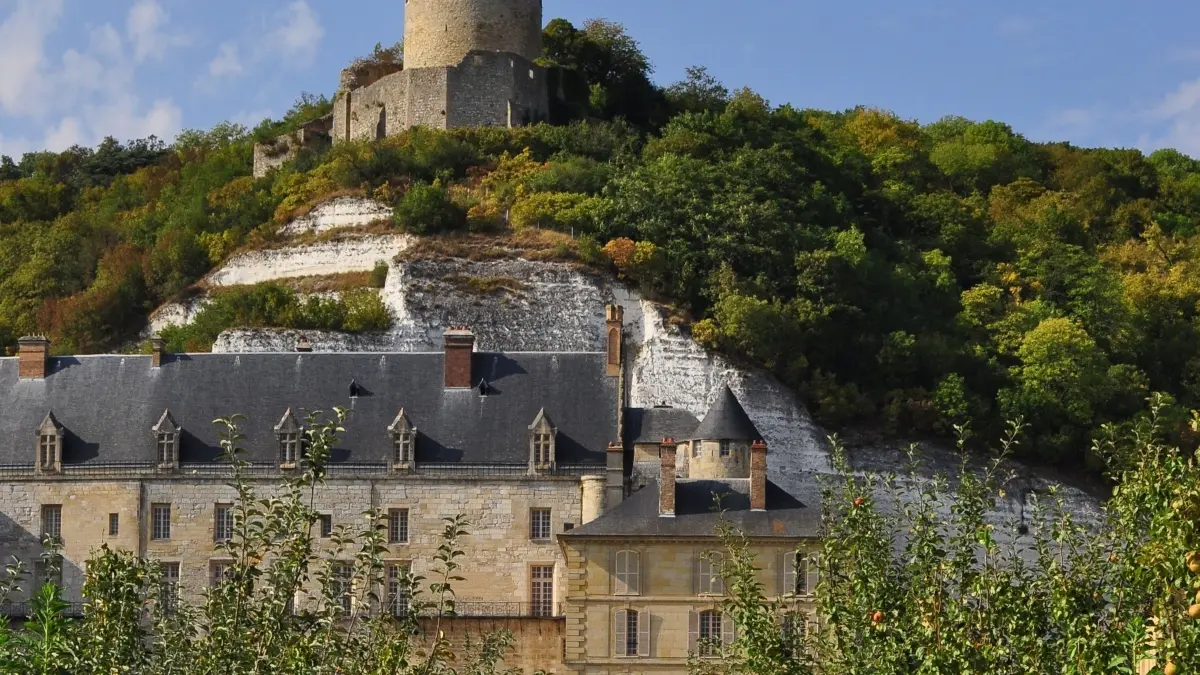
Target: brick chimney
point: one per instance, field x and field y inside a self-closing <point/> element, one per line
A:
<point x="460" y="344"/>
<point x="33" y="357"/>
<point x="158" y="347"/>
<point x="614" y="318"/>
<point x="758" y="476"/>
<point x="666" y="479"/>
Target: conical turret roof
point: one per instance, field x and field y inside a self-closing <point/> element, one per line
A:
<point x="726" y="421"/>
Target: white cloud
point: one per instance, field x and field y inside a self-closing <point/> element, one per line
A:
<point x="1180" y="112"/>
<point x="227" y="62"/>
<point x="297" y="35"/>
<point x="146" y="26"/>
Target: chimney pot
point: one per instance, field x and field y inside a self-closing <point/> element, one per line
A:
<point x="666" y="479"/>
<point x="157" y="349"/>
<point x="758" y="476"/>
<point x="33" y="357"/>
<point x="460" y="345"/>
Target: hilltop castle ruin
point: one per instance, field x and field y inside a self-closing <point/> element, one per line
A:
<point x="466" y="63"/>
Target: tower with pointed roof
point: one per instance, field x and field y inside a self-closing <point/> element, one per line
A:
<point x="720" y="446"/>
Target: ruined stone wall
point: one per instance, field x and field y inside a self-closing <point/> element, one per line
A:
<point x="428" y="92"/>
<point x="498" y="549"/>
<point x="268" y="156"/>
<point x="496" y="90"/>
<point x="372" y="112"/>
<point x="442" y="32"/>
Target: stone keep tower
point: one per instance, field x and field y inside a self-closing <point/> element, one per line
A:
<point x="442" y="32"/>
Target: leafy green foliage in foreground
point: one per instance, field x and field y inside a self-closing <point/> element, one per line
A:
<point x="942" y="585"/>
<point x="914" y="276"/>
<point x="247" y="625"/>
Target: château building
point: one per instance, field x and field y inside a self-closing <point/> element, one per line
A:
<point x="589" y="519"/>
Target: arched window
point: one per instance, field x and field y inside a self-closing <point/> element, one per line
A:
<point x="627" y="573"/>
<point x="631" y="633"/>
<point x="708" y="574"/>
<point x="708" y="631"/>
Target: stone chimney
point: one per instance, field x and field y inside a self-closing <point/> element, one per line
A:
<point x="33" y="357"/>
<point x="303" y="345"/>
<point x="460" y="345"/>
<point x="615" y="471"/>
<point x="614" y="318"/>
<point x="758" y="476"/>
<point x="666" y="479"/>
<point x="158" y="347"/>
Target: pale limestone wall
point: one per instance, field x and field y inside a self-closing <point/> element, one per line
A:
<point x="537" y="643"/>
<point x="498" y="549"/>
<point x="428" y="97"/>
<point x="441" y="32"/>
<point x="710" y="463"/>
<point x="667" y="596"/>
<point x="372" y="112"/>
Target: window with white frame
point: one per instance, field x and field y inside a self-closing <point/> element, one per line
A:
<point x="627" y="573"/>
<point x="48" y="451"/>
<point x="398" y="526"/>
<point x="290" y="436"/>
<point x="342" y="585"/>
<point x="541" y="588"/>
<point x="49" y="447"/>
<point x="399" y="588"/>
<point x="168" y="596"/>
<point x="404" y="441"/>
<point x="166" y="440"/>
<point x="726" y="449"/>
<point x="541" y="442"/>
<point x="631" y="632"/>
<point x="166" y="447"/>
<point x="696" y="448"/>
<point x="799" y="573"/>
<point x="543" y="448"/>
<point x="222" y="522"/>
<point x="708" y="631"/>
<point x="539" y="524"/>
<point x="160" y="521"/>
<point x="51" y="522"/>
<point x="708" y="574"/>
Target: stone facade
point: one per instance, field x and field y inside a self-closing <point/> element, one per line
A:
<point x="284" y="149"/>
<point x="442" y="32"/>
<point x="668" y="595"/>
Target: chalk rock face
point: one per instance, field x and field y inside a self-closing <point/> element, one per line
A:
<point x="339" y="212"/>
<point x="356" y="254"/>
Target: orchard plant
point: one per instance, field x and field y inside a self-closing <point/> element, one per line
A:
<point x="280" y="607"/>
<point x="922" y="576"/>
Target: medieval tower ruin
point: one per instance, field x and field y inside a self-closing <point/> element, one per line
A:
<point x="466" y="63"/>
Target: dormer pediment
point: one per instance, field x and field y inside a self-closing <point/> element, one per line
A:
<point x="50" y="426"/>
<point x="401" y="424"/>
<point x="542" y="424"/>
<point x="288" y="424"/>
<point x="166" y="424"/>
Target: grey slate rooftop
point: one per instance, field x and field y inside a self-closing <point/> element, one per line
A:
<point x="726" y="420"/>
<point x="652" y="425"/>
<point x="107" y="405"/>
<point x="695" y="514"/>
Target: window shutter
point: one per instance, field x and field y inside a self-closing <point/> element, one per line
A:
<point x="620" y="641"/>
<point x="696" y="562"/>
<point x="643" y="626"/>
<point x="791" y="560"/>
<point x="726" y="629"/>
<point x="693" y="631"/>
<point x="618" y="572"/>
<point x="633" y="570"/>
<point x="812" y="573"/>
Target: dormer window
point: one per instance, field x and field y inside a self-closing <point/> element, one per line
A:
<point x="49" y="445"/>
<point x="541" y="443"/>
<point x="166" y="441"/>
<point x="404" y="442"/>
<point x="290" y="435"/>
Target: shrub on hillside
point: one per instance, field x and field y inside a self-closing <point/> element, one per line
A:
<point x="428" y="209"/>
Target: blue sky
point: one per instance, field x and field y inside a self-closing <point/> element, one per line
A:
<point x="1094" y="72"/>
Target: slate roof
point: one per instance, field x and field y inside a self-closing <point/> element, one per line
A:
<point x="651" y="425"/>
<point x="108" y="404"/>
<point x="726" y="420"/>
<point x="637" y="516"/>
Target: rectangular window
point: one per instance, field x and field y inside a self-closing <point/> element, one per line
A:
<point x="48" y="571"/>
<point x="398" y="526"/>
<point x="219" y="571"/>
<point x="403" y="448"/>
<point x="793" y="629"/>
<point x="543" y="449"/>
<point x="222" y="522"/>
<point x="48" y="450"/>
<point x="399" y="590"/>
<point x="342" y="585"/>
<point x="166" y="448"/>
<point x="289" y="448"/>
<point x="631" y="633"/>
<point x="627" y="572"/>
<point x="800" y="573"/>
<point x="114" y="524"/>
<point x="52" y="521"/>
<point x="695" y="448"/>
<point x="541" y="590"/>
<point x="708" y="573"/>
<point x="169" y="593"/>
<point x="160" y="521"/>
<point x="539" y="524"/>
<point x="725" y="452"/>
<point x="710" y="632"/>
<point x="326" y="525"/>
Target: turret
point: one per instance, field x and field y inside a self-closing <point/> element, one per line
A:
<point x="442" y="32"/>
<point x="720" y="446"/>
